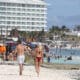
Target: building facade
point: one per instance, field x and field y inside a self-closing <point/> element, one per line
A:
<point x="25" y="15"/>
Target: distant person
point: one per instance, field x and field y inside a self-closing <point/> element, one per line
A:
<point x="69" y="58"/>
<point x="48" y="59"/>
<point x="2" y="50"/>
<point x="8" y="51"/>
<point x="46" y="48"/>
<point x="20" y="50"/>
<point x="38" y="58"/>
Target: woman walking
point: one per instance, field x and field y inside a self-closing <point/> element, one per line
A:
<point x="38" y="57"/>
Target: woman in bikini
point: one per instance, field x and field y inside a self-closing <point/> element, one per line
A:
<point x="38" y="58"/>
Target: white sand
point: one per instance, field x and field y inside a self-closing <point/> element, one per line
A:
<point x="11" y="72"/>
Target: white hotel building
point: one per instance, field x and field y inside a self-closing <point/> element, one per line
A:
<point x="25" y="15"/>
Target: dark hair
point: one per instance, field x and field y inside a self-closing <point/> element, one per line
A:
<point x="36" y="46"/>
<point x="19" y="42"/>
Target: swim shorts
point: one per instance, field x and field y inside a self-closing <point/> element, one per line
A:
<point x="21" y="59"/>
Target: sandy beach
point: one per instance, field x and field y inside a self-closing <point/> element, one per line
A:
<point x="11" y="72"/>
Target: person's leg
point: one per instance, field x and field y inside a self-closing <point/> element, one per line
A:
<point x="21" y="63"/>
<point x="4" y="58"/>
<point x="36" y="67"/>
<point x="39" y="67"/>
<point x="20" y="69"/>
<point x="22" y="66"/>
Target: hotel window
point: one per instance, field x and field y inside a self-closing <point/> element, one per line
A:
<point x="28" y="23"/>
<point x="42" y="10"/>
<point x="8" y="22"/>
<point x="8" y="4"/>
<point x="28" y="5"/>
<point x="23" y="23"/>
<point x="42" y="23"/>
<point x="32" y="5"/>
<point x="37" y="14"/>
<point x="12" y="18"/>
<point x="8" y="9"/>
<point x="13" y="13"/>
<point x="8" y="13"/>
<point x="8" y="18"/>
<point x="28" y="18"/>
<point x="13" y="22"/>
<point x="18" y="18"/>
<point x="18" y="5"/>
<point x="18" y="22"/>
<point x="32" y="18"/>
<point x="2" y="13"/>
<point x="23" y="14"/>
<point x="2" y="8"/>
<point x="28" y="14"/>
<point x="33" y="23"/>
<point x="38" y="10"/>
<point x="37" y="5"/>
<point x="25" y="27"/>
<point x="18" y="9"/>
<point x="42" y="19"/>
<point x="42" y="14"/>
<point x="1" y="17"/>
<point x="28" y="10"/>
<point x="2" y="4"/>
<point x="23" y="18"/>
<point x="23" y="9"/>
<point x="33" y="9"/>
<point x="42" y="6"/>
<point x="2" y="22"/>
<point x="33" y="14"/>
<point x="32" y="28"/>
<point x="23" y="5"/>
<point x="19" y="14"/>
<point x="13" y="4"/>
<point x="39" y="19"/>
<point x="28" y="27"/>
<point x="13" y="9"/>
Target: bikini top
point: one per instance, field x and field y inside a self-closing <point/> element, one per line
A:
<point x="38" y="51"/>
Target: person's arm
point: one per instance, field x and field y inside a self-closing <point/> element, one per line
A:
<point x="42" y="55"/>
<point x="27" y="49"/>
<point x="15" y="51"/>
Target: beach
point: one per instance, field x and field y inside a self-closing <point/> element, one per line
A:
<point x="11" y="72"/>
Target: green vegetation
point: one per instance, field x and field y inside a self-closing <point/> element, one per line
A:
<point x="53" y="31"/>
<point x="60" y="31"/>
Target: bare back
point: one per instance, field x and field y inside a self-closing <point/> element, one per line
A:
<point x="20" y="49"/>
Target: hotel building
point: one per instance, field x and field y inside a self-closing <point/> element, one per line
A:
<point x="25" y="15"/>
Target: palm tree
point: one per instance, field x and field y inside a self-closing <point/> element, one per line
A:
<point x="64" y="28"/>
<point x="14" y="33"/>
<point x="55" y="30"/>
<point x="77" y="28"/>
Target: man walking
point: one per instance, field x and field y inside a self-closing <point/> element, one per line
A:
<point x="20" y="50"/>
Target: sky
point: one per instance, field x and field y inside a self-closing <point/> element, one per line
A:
<point x="63" y="12"/>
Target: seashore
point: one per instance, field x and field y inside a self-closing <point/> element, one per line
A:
<point x="62" y="66"/>
<point x="10" y="71"/>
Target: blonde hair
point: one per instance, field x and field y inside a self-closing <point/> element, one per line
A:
<point x="40" y="47"/>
